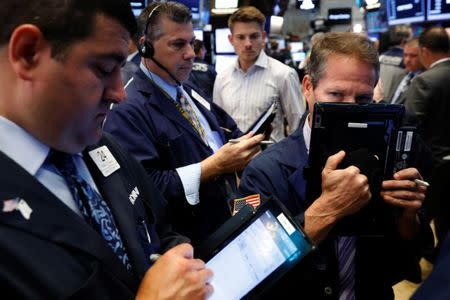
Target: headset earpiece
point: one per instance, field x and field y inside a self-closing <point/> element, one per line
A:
<point x="146" y="49"/>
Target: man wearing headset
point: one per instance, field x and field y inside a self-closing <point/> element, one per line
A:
<point x="180" y="137"/>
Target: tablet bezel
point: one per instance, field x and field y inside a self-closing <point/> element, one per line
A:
<point x="240" y="222"/>
<point x="327" y="121"/>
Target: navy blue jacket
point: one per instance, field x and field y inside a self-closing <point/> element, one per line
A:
<point x="380" y="261"/>
<point x="202" y="77"/>
<point x="150" y="126"/>
<point x="57" y="255"/>
<point x="436" y="286"/>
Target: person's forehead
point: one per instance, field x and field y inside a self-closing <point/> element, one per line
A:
<point x="111" y="35"/>
<point x="346" y="68"/>
<point x="246" y="28"/>
<point x="174" y="30"/>
<point x="408" y="49"/>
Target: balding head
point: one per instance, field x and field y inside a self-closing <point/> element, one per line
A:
<point x="434" y="45"/>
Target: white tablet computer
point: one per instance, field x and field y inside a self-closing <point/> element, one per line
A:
<point x="253" y="250"/>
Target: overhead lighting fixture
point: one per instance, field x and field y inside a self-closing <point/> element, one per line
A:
<point x="307" y="5"/>
<point x="372" y="4"/>
<point x="223" y="11"/>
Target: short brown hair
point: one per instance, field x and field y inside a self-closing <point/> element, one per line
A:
<point x="414" y="42"/>
<point x="247" y="14"/>
<point x="340" y="43"/>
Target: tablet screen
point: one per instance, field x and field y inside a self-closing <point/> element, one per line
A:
<point x="268" y="245"/>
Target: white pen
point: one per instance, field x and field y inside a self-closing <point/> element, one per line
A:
<point x="421" y="182"/>
<point x="235" y="141"/>
<point x="146" y="231"/>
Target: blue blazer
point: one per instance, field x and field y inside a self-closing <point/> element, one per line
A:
<point x="380" y="261"/>
<point x="57" y="255"/>
<point x="150" y="126"/>
<point x="436" y="286"/>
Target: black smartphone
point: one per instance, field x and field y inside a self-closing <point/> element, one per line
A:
<point x="264" y="120"/>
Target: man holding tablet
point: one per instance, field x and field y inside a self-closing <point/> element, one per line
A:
<point x="343" y="67"/>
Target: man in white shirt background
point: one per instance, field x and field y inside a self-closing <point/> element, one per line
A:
<point x="248" y="87"/>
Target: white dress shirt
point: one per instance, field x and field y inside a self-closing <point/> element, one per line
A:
<point x="246" y="95"/>
<point x="439" y="61"/>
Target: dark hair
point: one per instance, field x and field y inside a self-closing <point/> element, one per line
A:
<point x="62" y="22"/>
<point x="247" y="14"/>
<point x="198" y="45"/>
<point x="435" y="39"/>
<point x="174" y="11"/>
<point x="340" y="43"/>
<point x="398" y="36"/>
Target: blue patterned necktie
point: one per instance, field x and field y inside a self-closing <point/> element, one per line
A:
<point x="92" y="206"/>
<point x="346" y="246"/>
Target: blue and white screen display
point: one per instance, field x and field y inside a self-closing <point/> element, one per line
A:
<point x="438" y="10"/>
<point x="405" y="11"/>
<point x="268" y="243"/>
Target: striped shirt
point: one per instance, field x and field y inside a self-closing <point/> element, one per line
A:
<point x="246" y="95"/>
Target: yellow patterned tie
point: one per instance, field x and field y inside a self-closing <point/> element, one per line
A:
<point x="189" y="114"/>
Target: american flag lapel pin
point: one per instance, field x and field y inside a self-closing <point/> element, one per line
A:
<point x="10" y="205"/>
<point x="253" y="200"/>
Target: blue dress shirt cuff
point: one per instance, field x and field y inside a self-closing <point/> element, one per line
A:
<point x="190" y="178"/>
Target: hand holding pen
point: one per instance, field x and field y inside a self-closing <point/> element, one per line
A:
<point x="176" y="275"/>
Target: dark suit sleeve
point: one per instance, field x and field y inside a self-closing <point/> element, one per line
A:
<point x="255" y="181"/>
<point x="132" y="126"/>
<point x="418" y="99"/>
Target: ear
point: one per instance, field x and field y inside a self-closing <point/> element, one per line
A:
<point x="307" y="89"/>
<point x="26" y="49"/>
<point x="141" y="40"/>
<point x="308" y="94"/>
<point x="230" y="38"/>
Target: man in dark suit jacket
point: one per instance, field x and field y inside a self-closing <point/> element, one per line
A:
<point x="402" y="79"/>
<point x="91" y="228"/>
<point x="436" y="285"/>
<point x="428" y="98"/>
<point x="203" y="75"/>
<point x="182" y="146"/>
<point x="350" y="70"/>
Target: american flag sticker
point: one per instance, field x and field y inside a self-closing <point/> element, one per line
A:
<point x="19" y="204"/>
<point x="10" y="205"/>
<point x="253" y="200"/>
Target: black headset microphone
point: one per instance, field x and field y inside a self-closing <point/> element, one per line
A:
<point x="147" y="50"/>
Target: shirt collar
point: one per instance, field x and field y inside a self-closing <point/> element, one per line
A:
<point x="439" y="61"/>
<point x="132" y="55"/>
<point x="307" y="132"/>
<point x="168" y="88"/>
<point x="262" y="61"/>
<point x="21" y="146"/>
